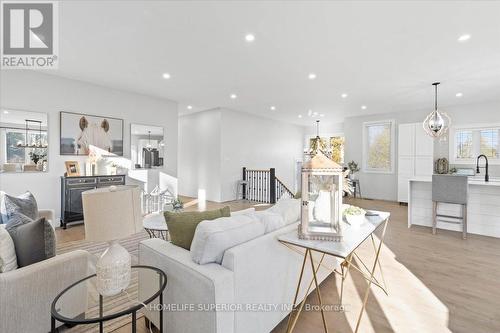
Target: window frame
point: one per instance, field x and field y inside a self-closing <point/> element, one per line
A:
<point x="364" y="166"/>
<point x="476" y="142"/>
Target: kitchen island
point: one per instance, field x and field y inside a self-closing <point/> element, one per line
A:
<point x="483" y="208"/>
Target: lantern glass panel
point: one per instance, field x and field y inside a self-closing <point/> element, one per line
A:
<point x="323" y="199"/>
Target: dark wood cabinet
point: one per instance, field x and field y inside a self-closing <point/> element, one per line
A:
<point x="71" y="194"/>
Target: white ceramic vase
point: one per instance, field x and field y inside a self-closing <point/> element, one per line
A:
<point x="113" y="270"/>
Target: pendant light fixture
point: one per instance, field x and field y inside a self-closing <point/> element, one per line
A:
<point x="316" y="144"/>
<point x="29" y="141"/>
<point x="437" y="123"/>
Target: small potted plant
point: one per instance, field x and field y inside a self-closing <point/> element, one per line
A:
<point x="353" y="168"/>
<point x="177" y="205"/>
<point x="355" y="216"/>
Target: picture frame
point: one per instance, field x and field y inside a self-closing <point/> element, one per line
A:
<point x="72" y="168"/>
<point x="80" y="133"/>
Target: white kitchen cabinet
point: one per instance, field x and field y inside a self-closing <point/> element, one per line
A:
<point x="415" y="156"/>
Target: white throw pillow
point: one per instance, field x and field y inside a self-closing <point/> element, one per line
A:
<point x="212" y="238"/>
<point x="272" y="221"/>
<point x="289" y="209"/>
<point x="243" y="211"/>
<point x="8" y="259"/>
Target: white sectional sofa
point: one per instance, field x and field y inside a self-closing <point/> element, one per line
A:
<point x="253" y="278"/>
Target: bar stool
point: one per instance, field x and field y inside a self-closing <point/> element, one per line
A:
<point x="239" y="189"/>
<point x="451" y="190"/>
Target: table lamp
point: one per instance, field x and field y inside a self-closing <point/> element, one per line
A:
<point x="112" y="213"/>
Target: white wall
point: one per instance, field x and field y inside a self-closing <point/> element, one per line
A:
<point x="34" y="91"/>
<point x="257" y="143"/>
<point x="215" y="145"/>
<point x="384" y="186"/>
<point x="200" y="154"/>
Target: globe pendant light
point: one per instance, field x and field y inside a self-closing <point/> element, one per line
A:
<point x="437" y="123"/>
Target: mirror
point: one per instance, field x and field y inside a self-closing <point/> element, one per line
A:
<point x="147" y="146"/>
<point x="23" y="141"/>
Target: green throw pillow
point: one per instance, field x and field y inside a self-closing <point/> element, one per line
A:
<point x="181" y="226"/>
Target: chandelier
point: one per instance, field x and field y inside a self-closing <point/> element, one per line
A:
<point x="437" y="123"/>
<point x="35" y="141"/>
<point x="317" y="145"/>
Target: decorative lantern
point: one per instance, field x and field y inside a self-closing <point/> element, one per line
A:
<point x="322" y="190"/>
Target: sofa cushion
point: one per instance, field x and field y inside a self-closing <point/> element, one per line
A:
<point x="289" y="209"/>
<point x="8" y="260"/>
<point x="24" y="204"/>
<point x="213" y="238"/>
<point x="181" y="226"/>
<point x="271" y="221"/>
<point x="243" y="211"/>
<point x="28" y="238"/>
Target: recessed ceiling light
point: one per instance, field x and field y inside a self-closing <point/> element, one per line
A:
<point x="344" y="95"/>
<point x="190" y="107"/>
<point x="300" y="116"/>
<point x="311" y="76"/>
<point x="309" y="112"/>
<point x="6" y="112"/>
<point x="249" y="38"/>
<point x="273" y="108"/>
<point x="166" y="76"/>
<point x="459" y="94"/>
<point x="363" y="107"/>
<point x="464" y="38"/>
<point x="233" y="96"/>
<point x="315" y="114"/>
<point x="321" y="114"/>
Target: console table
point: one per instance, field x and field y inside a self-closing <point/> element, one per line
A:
<point x="71" y="194"/>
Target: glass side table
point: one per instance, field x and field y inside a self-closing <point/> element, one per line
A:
<point x="100" y="309"/>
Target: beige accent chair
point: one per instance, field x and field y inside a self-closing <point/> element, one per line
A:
<point x="9" y="167"/>
<point x="27" y="293"/>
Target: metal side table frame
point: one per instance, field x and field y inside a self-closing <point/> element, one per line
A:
<point x="366" y="272"/>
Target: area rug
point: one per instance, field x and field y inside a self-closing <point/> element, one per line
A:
<point x="119" y="302"/>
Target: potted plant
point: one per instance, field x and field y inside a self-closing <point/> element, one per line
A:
<point x="355" y="216"/>
<point x="353" y="168"/>
<point x="38" y="155"/>
<point x="177" y="205"/>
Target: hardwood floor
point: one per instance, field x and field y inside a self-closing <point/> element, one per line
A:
<point x="437" y="283"/>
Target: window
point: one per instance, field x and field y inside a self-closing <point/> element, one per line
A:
<point x="472" y="141"/>
<point x="489" y="143"/>
<point x="378" y="147"/>
<point x="20" y="155"/>
<point x="464" y="144"/>
<point x="337" y="146"/>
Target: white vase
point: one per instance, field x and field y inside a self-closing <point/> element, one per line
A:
<point x="113" y="270"/>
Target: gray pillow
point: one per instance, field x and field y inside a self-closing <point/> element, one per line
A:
<point x="24" y="204"/>
<point x="34" y="240"/>
<point x="48" y="234"/>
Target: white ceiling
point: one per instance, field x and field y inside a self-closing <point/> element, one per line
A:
<point x="385" y="55"/>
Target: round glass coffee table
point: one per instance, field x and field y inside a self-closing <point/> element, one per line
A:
<point x="80" y="303"/>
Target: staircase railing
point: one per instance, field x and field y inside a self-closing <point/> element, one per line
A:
<point x="282" y="191"/>
<point x="263" y="186"/>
